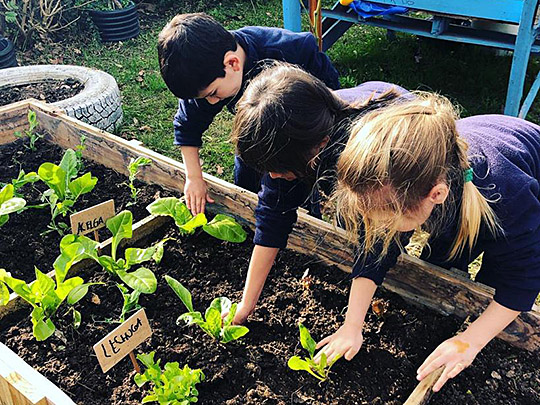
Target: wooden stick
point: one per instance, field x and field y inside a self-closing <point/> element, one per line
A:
<point x="96" y="235"/>
<point x="134" y="361"/>
<point x="423" y="391"/>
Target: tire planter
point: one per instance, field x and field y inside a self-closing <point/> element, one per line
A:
<point x="7" y="54"/>
<point x="98" y="104"/>
<point x="117" y="25"/>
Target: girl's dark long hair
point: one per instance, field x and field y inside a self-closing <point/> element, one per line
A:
<point x="284" y="115"/>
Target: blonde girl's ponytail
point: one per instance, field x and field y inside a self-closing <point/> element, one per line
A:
<point x="394" y="157"/>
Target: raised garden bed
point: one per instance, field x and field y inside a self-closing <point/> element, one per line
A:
<point x="49" y="91"/>
<point x="254" y="370"/>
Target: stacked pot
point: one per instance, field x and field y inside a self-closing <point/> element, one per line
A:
<point x="7" y="54"/>
<point x="117" y="25"/>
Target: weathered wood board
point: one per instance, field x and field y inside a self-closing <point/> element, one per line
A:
<point x="445" y="291"/>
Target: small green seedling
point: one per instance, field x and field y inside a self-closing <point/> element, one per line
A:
<point x="319" y="370"/>
<point x="172" y="385"/>
<point x="221" y="227"/>
<point x="64" y="187"/>
<point x="9" y="203"/>
<point x="32" y="136"/>
<point x="218" y="317"/>
<point x="22" y="179"/>
<point x="79" y="149"/>
<point x="133" y="169"/>
<point x="142" y="280"/>
<point x="46" y="295"/>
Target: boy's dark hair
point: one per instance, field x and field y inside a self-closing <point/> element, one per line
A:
<point x="284" y="115"/>
<point x="191" y="48"/>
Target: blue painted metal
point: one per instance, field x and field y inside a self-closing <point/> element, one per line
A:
<point x="530" y="98"/>
<point x="439" y="25"/>
<point x="291" y="15"/>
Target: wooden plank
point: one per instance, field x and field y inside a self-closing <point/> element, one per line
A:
<point x="26" y="385"/>
<point x="423" y="391"/>
<point x="13" y="118"/>
<point x="445" y="291"/>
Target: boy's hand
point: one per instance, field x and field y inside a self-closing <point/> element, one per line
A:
<point x="196" y="195"/>
<point x="243" y="310"/>
<point x="455" y="354"/>
<point x="345" y="342"/>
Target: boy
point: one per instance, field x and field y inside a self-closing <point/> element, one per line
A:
<point x="207" y="67"/>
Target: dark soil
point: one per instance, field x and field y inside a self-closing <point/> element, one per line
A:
<point x="49" y="91"/>
<point x="254" y="369"/>
<point x="21" y="244"/>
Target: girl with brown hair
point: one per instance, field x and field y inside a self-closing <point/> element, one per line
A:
<point x="472" y="183"/>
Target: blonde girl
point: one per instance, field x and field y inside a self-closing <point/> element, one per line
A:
<point x="472" y="183"/>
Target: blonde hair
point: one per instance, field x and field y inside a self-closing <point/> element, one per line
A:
<point x="394" y="157"/>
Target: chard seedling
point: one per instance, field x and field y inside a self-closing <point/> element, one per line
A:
<point x="64" y="187"/>
<point x="78" y="152"/>
<point x="32" y="136"/>
<point x="218" y="317"/>
<point x="9" y="203"/>
<point x="319" y="370"/>
<point x="22" y="179"/>
<point x="133" y="169"/>
<point x="172" y="385"/>
<point x="142" y="280"/>
<point x="221" y="227"/>
<point x="46" y="295"/>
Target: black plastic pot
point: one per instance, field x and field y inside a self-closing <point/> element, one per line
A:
<point x="117" y="25"/>
<point x="7" y="54"/>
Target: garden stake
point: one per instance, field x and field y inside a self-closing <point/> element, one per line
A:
<point x="423" y="391"/>
<point x="134" y="361"/>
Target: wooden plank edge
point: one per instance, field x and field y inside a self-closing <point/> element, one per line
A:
<point x="141" y="229"/>
<point x="13" y="118"/>
<point x="315" y="237"/>
<point x="10" y="363"/>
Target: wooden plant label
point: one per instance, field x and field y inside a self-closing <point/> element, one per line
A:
<point x="121" y="341"/>
<point x="92" y="219"/>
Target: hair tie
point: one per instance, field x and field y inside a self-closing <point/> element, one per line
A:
<point x="467" y="175"/>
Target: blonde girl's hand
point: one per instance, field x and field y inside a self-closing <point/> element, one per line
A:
<point x="345" y="342"/>
<point x="455" y="354"/>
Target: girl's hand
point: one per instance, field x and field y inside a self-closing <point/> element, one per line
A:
<point x="243" y="310"/>
<point x="455" y="354"/>
<point x="345" y="342"/>
<point x="196" y="195"/>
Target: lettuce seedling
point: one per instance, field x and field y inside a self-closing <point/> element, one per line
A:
<point x="9" y="203"/>
<point x="319" y="370"/>
<point x="172" y="385"/>
<point x="32" y="136"/>
<point x="218" y="317"/>
<point x="133" y="169"/>
<point x="142" y="280"/>
<point x="46" y="295"/>
<point x="221" y="227"/>
<point x="64" y="187"/>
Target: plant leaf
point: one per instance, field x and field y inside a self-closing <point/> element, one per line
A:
<point x="194" y="223"/>
<point x="136" y="255"/>
<point x="222" y="304"/>
<point x="142" y="280"/>
<point x="121" y="227"/>
<point x="3" y="219"/>
<point x="306" y="340"/>
<point x="225" y="228"/>
<point x="69" y="163"/>
<point x="182" y="292"/>
<point x="213" y="321"/>
<point x="233" y="332"/>
<point x="230" y="316"/>
<point x="170" y="206"/>
<point x="82" y="185"/>
<point x="6" y="193"/>
<point x="55" y="177"/>
<point x="63" y="289"/>
<point x="43" y="284"/>
<point x="4" y="294"/>
<point x="12" y="205"/>
<point x="76" y="319"/>
<point x="78" y="293"/>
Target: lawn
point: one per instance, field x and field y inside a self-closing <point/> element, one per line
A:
<point x="474" y="77"/>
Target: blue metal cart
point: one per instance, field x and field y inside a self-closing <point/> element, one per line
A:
<point x="441" y="26"/>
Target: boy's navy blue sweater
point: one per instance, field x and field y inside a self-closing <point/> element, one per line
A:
<point x="261" y="44"/>
<point x="504" y="153"/>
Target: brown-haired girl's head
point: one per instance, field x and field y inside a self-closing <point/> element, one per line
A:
<point x="283" y="119"/>
<point x="400" y="162"/>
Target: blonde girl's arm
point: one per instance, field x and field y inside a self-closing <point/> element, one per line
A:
<point x="262" y="260"/>
<point x="458" y="352"/>
<point x="348" y="339"/>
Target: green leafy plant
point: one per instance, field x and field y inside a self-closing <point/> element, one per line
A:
<point x="172" y="385"/>
<point x="46" y="295"/>
<point x="9" y="203"/>
<point x="22" y="179"/>
<point x="319" y="370"/>
<point x="218" y="317"/>
<point x="29" y="133"/>
<point x="133" y="169"/>
<point x="222" y="226"/>
<point x="140" y="281"/>
<point x="103" y="5"/>
<point x="64" y="187"/>
<point x="79" y="149"/>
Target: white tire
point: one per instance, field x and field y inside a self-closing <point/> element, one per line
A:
<point x="98" y="104"/>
